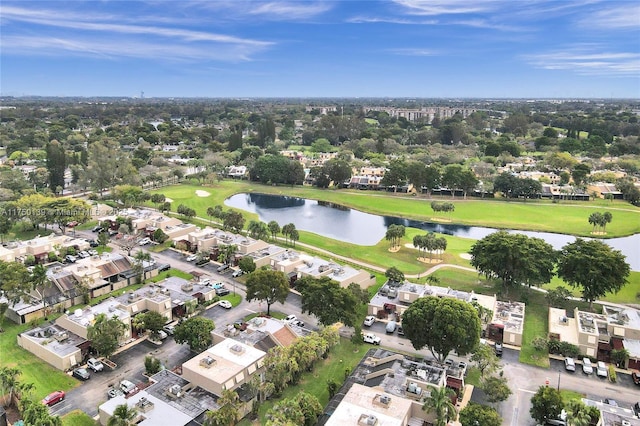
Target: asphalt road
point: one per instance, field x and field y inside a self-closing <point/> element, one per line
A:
<point x="524" y="380"/>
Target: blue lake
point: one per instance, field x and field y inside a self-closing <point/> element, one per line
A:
<point x="353" y="226"/>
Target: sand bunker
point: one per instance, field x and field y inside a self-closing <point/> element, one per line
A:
<point x="201" y="193"/>
<point x="168" y="200"/>
<point x="466" y="256"/>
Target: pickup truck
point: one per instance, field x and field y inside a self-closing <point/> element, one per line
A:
<point x="371" y="338"/>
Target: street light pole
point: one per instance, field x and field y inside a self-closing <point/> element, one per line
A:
<point x="558" y="381"/>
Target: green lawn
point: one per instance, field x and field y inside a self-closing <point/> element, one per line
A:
<point x="171" y="273"/>
<point x="535" y="215"/>
<point x="45" y="378"/>
<point x="78" y="418"/>
<point x="343" y="357"/>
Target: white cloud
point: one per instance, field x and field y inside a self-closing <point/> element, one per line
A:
<point x="621" y="17"/>
<point x="385" y="20"/>
<point x="290" y="10"/>
<point x="588" y="60"/>
<point x="447" y="7"/>
<point x="408" y="51"/>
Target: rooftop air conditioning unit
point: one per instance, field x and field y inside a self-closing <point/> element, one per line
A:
<point x="62" y="336"/>
<point x="207" y="362"/>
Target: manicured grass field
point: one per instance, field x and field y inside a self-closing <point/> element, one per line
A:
<point x="171" y="273"/>
<point x="78" y="418"/>
<point x="45" y="378"/>
<point x="536" y="215"/>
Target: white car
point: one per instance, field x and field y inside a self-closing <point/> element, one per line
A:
<point x="290" y="318"/>
<point x="369" y="320"/>
<point x="587" y="367"/>
<point x="371" y="338"/>
<point x="569" y="364"/>
<point x="601" y="369"/>
<point x="191" y="257"/>
<point x="144" y="241"/>
<point x="225" y="304"/>
<point x="237" y="273"/>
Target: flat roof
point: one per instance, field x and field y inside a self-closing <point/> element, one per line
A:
<point x="626" y="317"/>
<point x="230" y="358"/>
<point x="192" y="401"/>
<point x="560" y="324"/>
<point x="361" y="402"/>
<point x="55" y="339"/>
<point x="162" y="413"/>
<point x="109" y="307"/>
<point x="510" y="315"/>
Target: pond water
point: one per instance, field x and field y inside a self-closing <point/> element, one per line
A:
<point x="353" y="226"/>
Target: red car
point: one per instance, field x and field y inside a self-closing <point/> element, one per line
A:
<point x="53" y="398"/>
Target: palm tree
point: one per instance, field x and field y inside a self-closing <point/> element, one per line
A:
<point x="595" y="219"/>
<point x="228" y="412"/>
<point x="40" y="283"/>
<point x="138" y="267"/>
<point x="606" y="218"/>
<point x="577" y="413"/>
<point x="9" y="382"/>
<point x="123" y="415"/>
<point x="440" y="403"/>
<point x="274" y="228"/>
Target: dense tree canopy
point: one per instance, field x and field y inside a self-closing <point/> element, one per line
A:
<point x="546" y="404"/>
<point x="514" y="258"/>
<point x="442" y="325"/>
<point x="105" y="334"/>
<point x="327" y="301"/>
<point x="268" y="286"/>
<point x="593" y="266"/>
<point x="479" y="415"/>
<point x="196" y="332"/>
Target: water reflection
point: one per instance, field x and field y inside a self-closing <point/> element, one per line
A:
<point x="345" y="224"/>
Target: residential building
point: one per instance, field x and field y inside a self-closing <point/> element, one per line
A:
<point x="225" y="366"/>
<point x="169" y="400"/>
<point x="80" y="320"/>
<point x="343" y="274"/>
<point x="390" y="388"/>
<point x="260" y="332"/>
<point x="596" y="335"/>
<point x="55" y="345"/>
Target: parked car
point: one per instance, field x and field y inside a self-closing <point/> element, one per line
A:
<point x="93" y="243"/>
<point x="127" y="387"/>
<point x="390" y="327"/>
<point x="97" y="229"/>
<point x="237" y="273"/>
<point x="297" y="323"/>
<point x="81" y="373"/>
<point x="191" y="257"/>
<point x="601" y="369"/>
<point x="369" y="320"/>
<point x="222" y="291"/>
<point x="371" y="338"/>
<point x="162" y="335"/>
<point x="70" y="258"/>
<point x="83" y="254"/>
<point x="400" y="330"/>
<point x="72" y="224"/>
<point x="92" y="252"/>
<point x="113" y="392"/>
<point x="636" y="409"/>
<point x="144" y="241"/>
<point x="635" y="376"/>
<point x="290" y="318"/>
<point x="53" y="398"/>
<point x="169" y="329"/>
<point x="225" y="304"/>
<point x="498" y="349"/>
<point x="222" y="268"/>
<point x="95" y="365"/>
<point x="611" y="402"/>
<point x="587" y="367"/>
<point x="569" y="364"/>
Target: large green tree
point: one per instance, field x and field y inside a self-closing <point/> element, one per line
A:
<point x="514" y="258"/>
<point x="15" y="282"/>
<point x="301" y="410"/>
<point x="56" y="164"/>
<point x="593" y="266"/>
<point x="442" y="325"/>
<point x="105" y="334"/>
<point x="327" y="301"/>
<point x="479" y="415"/>
<point x="546" y="404"/>
<point x="268" y="286"/>
<point x="196" y="332"/>
<point x="152" y="321"/>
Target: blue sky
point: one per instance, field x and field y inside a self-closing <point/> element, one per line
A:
<point x="399" y="48"/>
